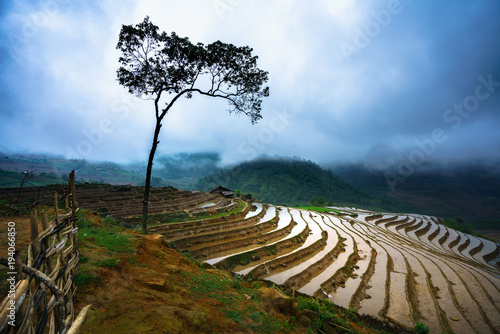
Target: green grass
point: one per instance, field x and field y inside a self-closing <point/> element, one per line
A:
<point x="327" y="312"/>
<point x="247" y="313"/>
<point x="107" y="236"/>
<point x="83" y="278"/>
<point x="111" y="262"/>
<point x="346" y="270"/>
<point x="240" y="259"/>
<point x="462" y="227"/>
<point x="318" y="209"/>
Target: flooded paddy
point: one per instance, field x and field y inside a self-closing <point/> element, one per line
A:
<point x="403" y="267"/>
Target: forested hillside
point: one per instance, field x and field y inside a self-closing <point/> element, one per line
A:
<point x="288" y="181"/>
<point x="468" y="191"/>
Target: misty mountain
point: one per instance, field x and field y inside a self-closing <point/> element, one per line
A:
<point x="182" y="165"/>
<point x="179" y="170"/>
<point x="49" y="169"/>
<point x="471" y="192"/>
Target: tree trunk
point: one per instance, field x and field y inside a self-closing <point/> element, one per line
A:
<point x="147" y="186"/>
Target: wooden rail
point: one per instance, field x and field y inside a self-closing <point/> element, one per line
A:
<point x="43" y="297"/>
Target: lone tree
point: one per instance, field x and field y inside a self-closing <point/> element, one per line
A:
<point x="164" y="68"/>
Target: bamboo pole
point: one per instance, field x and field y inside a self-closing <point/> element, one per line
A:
<point x="75" y="327"/>
<point x="34" y="232"/>
<point x="21" y="288"/>
<point x="45" y="225"/>
<point x="19" y="265"/>
<point x="25" y="320"/>
<point x="52" y="324"/>
<point x="56" y="208"/>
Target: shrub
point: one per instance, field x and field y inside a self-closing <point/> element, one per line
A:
<point x="421" y="328"/>
<point x="82" y="279"/>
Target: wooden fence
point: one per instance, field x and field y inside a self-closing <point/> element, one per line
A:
<point x="42" y="291"/>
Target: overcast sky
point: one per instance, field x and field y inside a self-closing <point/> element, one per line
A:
<point x="372" y="81"/>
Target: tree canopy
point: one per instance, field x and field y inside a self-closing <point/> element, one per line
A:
<point x="155" y="63"/>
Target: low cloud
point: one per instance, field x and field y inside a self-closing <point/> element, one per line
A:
<point x="59" y="93"/>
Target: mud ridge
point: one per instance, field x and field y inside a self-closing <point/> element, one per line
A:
<point x="493" y="255"/>
<point x="253" y="240"/>
<point x="174" y="226"/>
<point x="424" y="231"/>
<point x="373" y="217"/>
<point x="463" y="246"/>
<point x="301" y="279"/>
<point x="186" y="236"/>
<point x="396" y="222"/>
<point x="445" y="237"/>
<point x="262" y="269"/>
<point x="386" y="220"/>
<point x="360" y="293"/>
<point x="408" y="224"/>
<point x="477" y="249"/>
<point x="435" y="233"/>
<point x="412" y="295"/>
<point x="224" y="234"/>
<point x="261" y="253"/>
<point x="390" y="267"/>
<point x="340" y="276"/>
<point x="455" y="242"/>
<point x="414" y="227"/>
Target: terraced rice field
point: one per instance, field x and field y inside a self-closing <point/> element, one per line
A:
<point x="405" y="268"/>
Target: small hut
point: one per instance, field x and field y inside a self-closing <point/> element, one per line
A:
<point x="220" y="190"/>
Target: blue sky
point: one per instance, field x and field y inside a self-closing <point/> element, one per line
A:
<point x="377" y="82"/>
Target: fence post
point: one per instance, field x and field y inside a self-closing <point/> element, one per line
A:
<point x="34" y="232"/>
<point x="56" y="208"/>
<point x="45" y="225"/>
